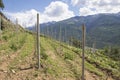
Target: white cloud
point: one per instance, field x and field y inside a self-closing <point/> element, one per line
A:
<point x="106" y="6"/>
<point x="89" y="7"/>
<point x="56" y="11"/>
<point x="86" y="11"/>
<point x="27" y="18"/>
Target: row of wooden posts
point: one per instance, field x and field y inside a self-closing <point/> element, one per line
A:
<point x="38" y="43"/>
<point x="83" y="45"/>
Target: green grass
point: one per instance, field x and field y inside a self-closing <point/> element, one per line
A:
<point x="54" y="66"/>
<point x="72" y="59"/>
<point x="102" y="61"/>
<point x="25" y="50"/>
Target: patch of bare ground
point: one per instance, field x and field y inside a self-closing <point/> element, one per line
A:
<point x="24" y="70"/>
<point x="90" y="76"/>
<point x="2" y="42"/>
<point x="5" y="61"/>
<point x="51" y="54"/>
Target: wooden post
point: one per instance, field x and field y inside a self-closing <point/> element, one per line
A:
<point x="0" y="24"/>
<point x="38" y="38"/>
<point x="17" y="28"/>
<point x="83" y="50"/>
<point x="47" y="31"/>
<point x="55" y="35"/>
<point x="0" y="27"/>
<point x="65" y="37"/>
<point x="60" y="35"/>
<point x="52" y="32"/>
<point x="93" y="49"/>
<point x="109" y="49"/>
<point x="16" y="25"/>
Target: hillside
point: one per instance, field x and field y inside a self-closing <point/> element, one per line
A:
<point x="59" y="61"/>
<point x="102" y="29"/>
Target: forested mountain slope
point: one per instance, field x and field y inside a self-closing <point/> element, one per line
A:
<point x="102" y="29"/>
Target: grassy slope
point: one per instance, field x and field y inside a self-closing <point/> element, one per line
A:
<point x="58" y="61"/>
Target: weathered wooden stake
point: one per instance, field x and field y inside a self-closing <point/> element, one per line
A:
<point x="93" y="48"/>
<point x="16" y="25"/>
<point x="60" y="35"/>
<point x="0" y="26"/>
<point x="38" y="38"/>
<point x="83" y="49"/>
<point x="64" y="37"/>
<point x="109" y="49"/>
<point x="17" y="28"/>
<point x="47" y="31"/>
<point x="55" y="36"/>
<point x="52" y="32"/>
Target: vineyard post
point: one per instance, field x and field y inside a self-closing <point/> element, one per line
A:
<point x="93" y="47"/>
<point x="109" y="49"/>
<point x="38" y="38"/>
<point x="64" y="35"/>
<point x="60" y="35"/>
<point x="0" y="26"/>
<point x="47" y="32"/>
<point x="55" y="35"/>
<point x="83" y="49"/>
<point x="16" y="25"/>
<point x="17" y="28"/>
<point x="52" y="32"/>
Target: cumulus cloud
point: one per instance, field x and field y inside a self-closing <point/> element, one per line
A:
<point x="56" y="11"/>
<point x="89" y="7"/>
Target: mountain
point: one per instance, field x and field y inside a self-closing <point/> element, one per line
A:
<point x="101" y="29"/>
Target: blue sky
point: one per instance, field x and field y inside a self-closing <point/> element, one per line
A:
<point x="55" y="10"/>
<point x="21" y="5"/>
